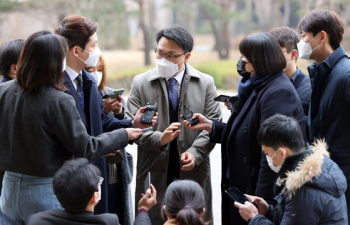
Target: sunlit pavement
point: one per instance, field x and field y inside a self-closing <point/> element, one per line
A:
<point x="215" y="158"/>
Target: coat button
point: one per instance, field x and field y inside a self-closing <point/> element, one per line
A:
<point x="245" y="130"/>
<point x="247" y="190"/>
<point x="245" y="160"/>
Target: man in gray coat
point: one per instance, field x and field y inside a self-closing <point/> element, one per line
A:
<point x="183" y="154"/>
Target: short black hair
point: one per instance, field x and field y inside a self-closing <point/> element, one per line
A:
<point x="323" y="20"/>
<point x="75" y="183"/>
<point x="263" y="52"/>
<point x="77" y="29"/>
<point x="178" y="34"/>
<point x="287" y="38"/>
<point x="9" y="54"/>
<point x="280" y="130"/>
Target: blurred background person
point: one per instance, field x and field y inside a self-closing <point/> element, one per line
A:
<point x="42" y="129"/>
<point x="119" y="174"/>
<point x="321" y="33"/>
<point x="77" y="185"/>
<point x="288" y="39"/>
<point x="262" y="92"/>
<point x="310" y="188"/>
<point x="184" y="204"/>
<point x="9" y="54"/>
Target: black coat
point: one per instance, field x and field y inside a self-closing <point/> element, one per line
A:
<point x="96" y="123"/>
<point x="248" y="170"/>
<point x="329" y="114"/>
<point x="63" y="217"/>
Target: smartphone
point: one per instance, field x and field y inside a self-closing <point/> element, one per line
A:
<point x="147" y="129"/>
<point x="147" y="184"/>
<point x="114" y="94"/>
<point x="113" y="159"/>
<point x="222" y="98"/>
<point x="237" y="195"/>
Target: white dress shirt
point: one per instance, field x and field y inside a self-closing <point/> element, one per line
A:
<point x="72" y="75"/>
<point x="177" y="85"/>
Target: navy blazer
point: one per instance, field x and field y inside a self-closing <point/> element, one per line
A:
<point x="96" y="122"/>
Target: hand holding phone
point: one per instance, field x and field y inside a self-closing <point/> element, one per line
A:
<point x="237" y="195"/>
<point x="222" y="98"/>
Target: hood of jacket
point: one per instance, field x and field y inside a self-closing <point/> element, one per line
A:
<point x="317" y="171"/>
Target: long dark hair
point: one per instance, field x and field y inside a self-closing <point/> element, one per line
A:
<point x="263" y="52"/>
<point x="184" y="201"/>
<point x="41" y="61"/>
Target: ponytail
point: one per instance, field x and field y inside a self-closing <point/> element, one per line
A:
<point x="188" y="216"/>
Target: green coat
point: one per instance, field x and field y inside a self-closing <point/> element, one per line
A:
<point x="198" y="91"/>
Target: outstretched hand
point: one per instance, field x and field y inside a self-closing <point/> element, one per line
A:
<point x="137" y="119"/>
<point x="169" y="134"/>
<point x="203" y="124"/>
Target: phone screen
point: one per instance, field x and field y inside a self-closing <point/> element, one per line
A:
<point x="237" y="195"/>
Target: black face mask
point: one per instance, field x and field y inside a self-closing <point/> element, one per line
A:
<point x="241" y="69"/>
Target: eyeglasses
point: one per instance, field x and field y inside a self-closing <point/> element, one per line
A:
<point x="170" y="57"/>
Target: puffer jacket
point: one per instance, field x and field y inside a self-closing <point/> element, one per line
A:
<point x="314" y="193"/>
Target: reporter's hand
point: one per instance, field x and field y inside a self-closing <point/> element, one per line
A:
<point x="133" y="133"/>
<point x="147" y="202"/>
<point x="119" y="107"/>
<point x="203" y="123"/>
<point x="228" y="106"/>
<point x="188" y="159"/>
<point x="263" y="207"/>
<point x="247" y="211"/>
<point x="137" y="119"/>
<point x="109" y="104"/>
<point x="111" y="154"/>
<point x="169" y="134"/>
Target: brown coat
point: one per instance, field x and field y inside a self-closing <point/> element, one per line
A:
<point x="198" y="91"/>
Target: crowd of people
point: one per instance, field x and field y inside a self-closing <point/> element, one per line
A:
<point x="285" y="145"/>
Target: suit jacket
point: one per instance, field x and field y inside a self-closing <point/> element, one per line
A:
<point x="96" y="122"/>
<point x="197" y="91"/>
<point x="248" y="168"/>
<point x="63" y="217"/>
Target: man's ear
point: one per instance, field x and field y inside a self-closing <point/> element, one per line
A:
<point x="187" y="57"/>
<point x="76" y="51"/>
<point x="94" y="198"/>
<point x="166" y="214"/>
<point x="294" y="54"/>
<point x="202" y="213"/>
<point x="14" y="69"/>
<point x="324" y="37"/>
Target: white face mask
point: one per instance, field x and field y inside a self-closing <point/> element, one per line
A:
<point x="98" y="77"/>
<point x="276" y="169"/>
<point x="93" y="58"/>
<point x="64" y="65"/>
<point x="99" y="191"/>
<point x="305" y="49"/>
<point x="168" y="69"/>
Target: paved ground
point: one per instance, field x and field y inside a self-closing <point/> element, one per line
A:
<point x="215" y="158"/>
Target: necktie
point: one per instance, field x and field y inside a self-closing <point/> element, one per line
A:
<point x="173" y="96"/>
<point x="80" y="88"/>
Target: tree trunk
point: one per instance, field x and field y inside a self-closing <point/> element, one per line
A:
<point x="248" y="13"/>
<point x="286" y="14"/>
<point x="146" y="35"/>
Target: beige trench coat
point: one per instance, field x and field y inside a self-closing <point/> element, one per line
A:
<point x="197" y="91"/>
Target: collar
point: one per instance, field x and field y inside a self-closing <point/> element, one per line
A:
<point x="291" y="162"/>
<point x="71" y="73"/>
<point x="6" y="78"/>
<point x="178" y="77"/>
<point x="295" y="75"/>
<point x="189" y="70"/>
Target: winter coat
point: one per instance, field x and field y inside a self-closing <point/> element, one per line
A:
<point x="329" y="114"/>
<point x="197" y="91"/>
<point x="314" y="193"/>
<point x="240" y="150"/>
